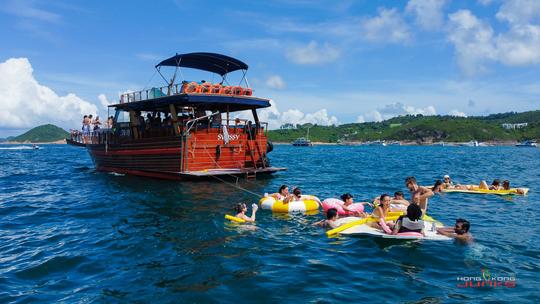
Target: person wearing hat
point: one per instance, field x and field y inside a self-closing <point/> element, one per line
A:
<point x="447" y="182"/>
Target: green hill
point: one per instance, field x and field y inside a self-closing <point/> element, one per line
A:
<point x="420" y="129"/>
<point x="44" y="133"/>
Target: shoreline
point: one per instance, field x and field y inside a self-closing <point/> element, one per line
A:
<point x="58" y="142"/>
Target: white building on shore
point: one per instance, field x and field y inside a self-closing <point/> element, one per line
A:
<point x="509" y="126"/>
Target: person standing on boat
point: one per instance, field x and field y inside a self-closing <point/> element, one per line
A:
<point x="419" y="194"/>
<point x="96" y="123"/>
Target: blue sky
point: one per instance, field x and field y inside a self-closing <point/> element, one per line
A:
<point x="320" y="61"/>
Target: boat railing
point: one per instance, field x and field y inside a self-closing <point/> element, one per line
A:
<point x="100" y="136"/>
<point x="185" y="88"/>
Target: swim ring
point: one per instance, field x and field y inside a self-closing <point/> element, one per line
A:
<point x="308" y="203"/>
<point x="338" y="205"/>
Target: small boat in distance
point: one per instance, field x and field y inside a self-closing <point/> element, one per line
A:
<point x="376" y="143"/>
<point x="528" y="143"/>
<point x="302" y="142"/>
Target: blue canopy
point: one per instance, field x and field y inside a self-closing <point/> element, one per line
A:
<point x="212" y="62"/>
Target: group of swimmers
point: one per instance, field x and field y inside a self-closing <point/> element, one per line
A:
<point x="447" y="183"/>
<point x="382" y="205"/>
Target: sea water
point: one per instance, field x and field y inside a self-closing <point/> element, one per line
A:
<point x="71" y="234"/>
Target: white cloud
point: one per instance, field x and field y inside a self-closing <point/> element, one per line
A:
<point x="312" y="53"/>
<point x="457" y="113"/>
<point x="25" y="103"/>
<point x="472" y="39"/>
<point x="275" y="82"/>
<point x="388" y="26"/>
<point x="476" y="42"/>
<point x="428" y="13"/>
<point x="393" y="110"/>
<point x="276" y="119"/>
<point x="28" y="10"/>
<point x="104" y="101"/>
<point x="519" y="11"/>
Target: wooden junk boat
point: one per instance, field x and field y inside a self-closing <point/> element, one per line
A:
<point x="185" y="130"/>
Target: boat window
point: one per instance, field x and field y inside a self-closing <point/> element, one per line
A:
<point x="122" y="116"/>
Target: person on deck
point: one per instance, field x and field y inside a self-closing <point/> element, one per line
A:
<point x="422" y="194"/>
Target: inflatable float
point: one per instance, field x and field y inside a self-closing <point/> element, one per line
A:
<point x="350" y="222"/>
<point x="338" y="205"/>
<point x="430" y="232"/>
<point x="476" y="190"/>
<point x="234" y="219"/>
<point x="307" y="204"/>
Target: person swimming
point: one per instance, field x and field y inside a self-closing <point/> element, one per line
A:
<point x="410" y="223"/>
<point x="330" y="221"/>
<point x="241" y="210"/>
<point x="423" y="193"/>
<point x="447" y="182"/>
<point x="438" y="186"/>
<point x="459" y="232"/>
<point x="348" y="200"/>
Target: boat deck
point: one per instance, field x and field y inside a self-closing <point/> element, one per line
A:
<point x="218" y="172"/>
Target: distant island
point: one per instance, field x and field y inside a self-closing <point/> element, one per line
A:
<point x="42" y="134"/>
<point x="419" y="129"/>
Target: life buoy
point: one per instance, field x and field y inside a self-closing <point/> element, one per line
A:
<point x="308" y="203"/>
<point x="206" y="87"/>
<point x="248" y="92"/>
<point x="215" y="89"/>
<point x="338" y="205"/>
<point x="191" y="88"/>
<point x="225" y="90"/>
<point x="269" y="147"/>
<point x="238" y="90"/>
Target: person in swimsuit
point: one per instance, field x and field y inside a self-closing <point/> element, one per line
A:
<point x="495" y="185"/>
<point x="410" y="223"/>
<point x="241" y="210"/>
<point x="423" y="193"/>
<point x="282" y="194"/>
<point x="381" y="211"/>
<point x="348" y="200"/>
<point x="330" y="221"/>
<point x="460" y="231"/>
<point x="438" y="186"/>
<point x="447" y="182"/>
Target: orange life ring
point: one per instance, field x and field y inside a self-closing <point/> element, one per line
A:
<point x="215" y="89"/>
<point x="191" y="87"/>
<point x="225" y="90"/>
<point x="248" y="92"/>
<point x="206" y="87"/>
<point x="238" y="90"/>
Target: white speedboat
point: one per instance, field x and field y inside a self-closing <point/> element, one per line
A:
<point x="528" y="143"/>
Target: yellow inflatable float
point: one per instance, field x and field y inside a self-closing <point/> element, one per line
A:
<point x="477" y="190"/>
<point x="306" y="204"/>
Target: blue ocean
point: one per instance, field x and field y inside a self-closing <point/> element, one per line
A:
<point x="71" y="234"/>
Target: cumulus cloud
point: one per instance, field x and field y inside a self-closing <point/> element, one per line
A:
<point x="457" y="113"/>
<point x="428" y="13"/>
<point x="473" y="41"/>
<point x="275" y="82"/>
<point x="25" y="103"/>
<point x="313" y="53"/>
<point x="477" y="43"/>
<point x="276" y="119"/>
<point x="387" y="26"/>
<point x="393" y="110"/>
<point x="104" y="101"/>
